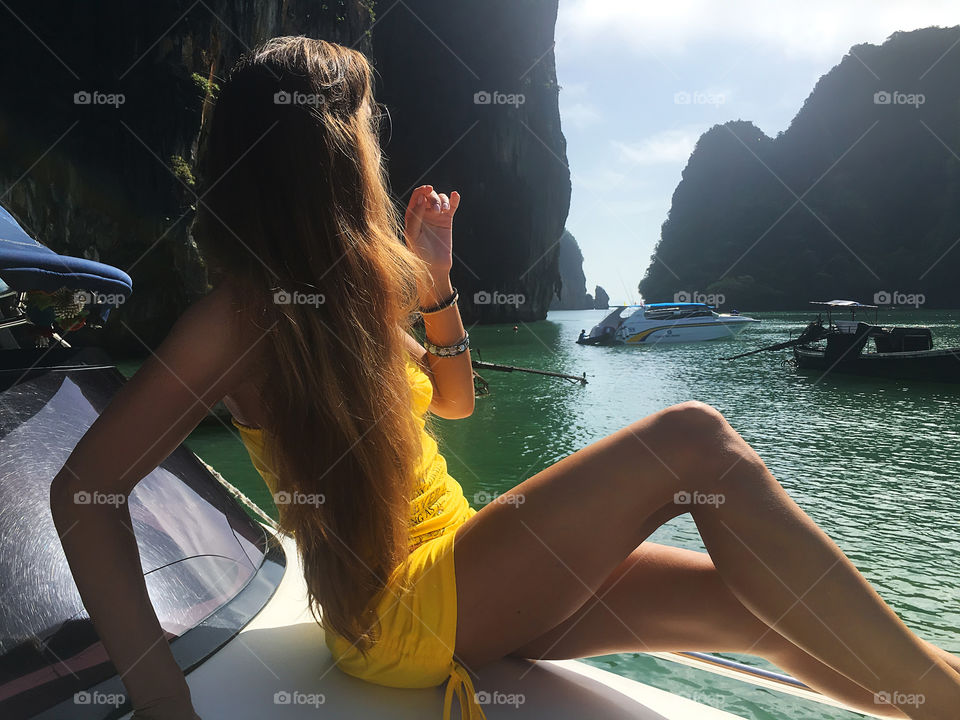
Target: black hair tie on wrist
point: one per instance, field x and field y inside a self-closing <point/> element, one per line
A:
<point x="443" y="305"/>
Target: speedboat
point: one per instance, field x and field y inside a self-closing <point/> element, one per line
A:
<point x="228" y="588"/>
<point x="665" y="323"/>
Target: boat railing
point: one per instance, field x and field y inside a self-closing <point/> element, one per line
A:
<point x="768" y="679"/>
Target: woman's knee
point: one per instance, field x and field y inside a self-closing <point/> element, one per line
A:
<point x="694" y="416"/>
<point x="698" y="445"/>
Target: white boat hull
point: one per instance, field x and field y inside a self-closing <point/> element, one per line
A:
<point x="654" y="333"/>
<point x="279" y="667"/>
<point x="665" y="323"/>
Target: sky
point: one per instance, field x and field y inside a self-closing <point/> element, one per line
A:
<point x="641" y="80"/>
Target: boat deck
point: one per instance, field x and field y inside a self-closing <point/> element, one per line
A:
<point x="282" y="652"/>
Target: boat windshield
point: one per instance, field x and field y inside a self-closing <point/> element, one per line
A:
<point x="677" y="312"/>
<point x="199" y="550"/>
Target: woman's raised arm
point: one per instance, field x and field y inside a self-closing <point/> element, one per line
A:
<point x="428" y="229"/>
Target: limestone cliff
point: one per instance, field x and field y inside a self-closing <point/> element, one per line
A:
<point x="573" y="293"/>
<point x="601" y="300"/>
<point x="104" y="102"/>
<point x="857" y="199"/>
<point x="100" y="115"/>
<point x="473" y="95"/>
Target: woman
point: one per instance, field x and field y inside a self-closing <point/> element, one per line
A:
<point x="306" y="339"/>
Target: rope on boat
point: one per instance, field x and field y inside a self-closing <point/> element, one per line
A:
<point x="238" y="494"/>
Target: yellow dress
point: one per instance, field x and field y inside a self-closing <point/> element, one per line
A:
<point x="417" y="609"/>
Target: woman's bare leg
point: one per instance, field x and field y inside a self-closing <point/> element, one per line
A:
<point x="664" y="599"/>
<point x="523" y="568"/>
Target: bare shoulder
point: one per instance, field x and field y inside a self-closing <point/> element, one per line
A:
<point x="216" y="313"/>
<point x="212" y="339"/>
<point x="202" y="359"/>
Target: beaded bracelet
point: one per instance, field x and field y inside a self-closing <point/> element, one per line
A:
<point x="448" y="350"/>
<point x="443" y="305"/>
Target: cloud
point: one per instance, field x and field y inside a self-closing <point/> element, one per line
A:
<point x="668" y="146"/>
<point x="815" y="29"/>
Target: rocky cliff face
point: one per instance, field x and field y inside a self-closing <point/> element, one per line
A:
<point x="601" y="300"/>
<point x="573" y="293"/>
<point x="103" y="106"/>
<point x="472" y="90"/>
<point x="857" y="199"/>
<point x="100" y="115"/>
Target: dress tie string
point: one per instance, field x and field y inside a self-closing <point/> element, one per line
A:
<point x="461" y="684"/>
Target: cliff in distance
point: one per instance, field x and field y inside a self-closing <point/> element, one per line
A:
<point x="859" y="198"/>
<point x="573" y="293"/>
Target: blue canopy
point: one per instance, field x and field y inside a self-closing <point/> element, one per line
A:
<point x="25" y="264"/>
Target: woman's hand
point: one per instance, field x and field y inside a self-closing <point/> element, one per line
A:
<point x="176" y="705"/>
<point x="428" y="229"/>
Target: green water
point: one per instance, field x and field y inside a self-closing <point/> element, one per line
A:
<point x="875" y="463"/>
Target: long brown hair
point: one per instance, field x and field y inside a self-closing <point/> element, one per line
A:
<point x="296" y="212"/>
